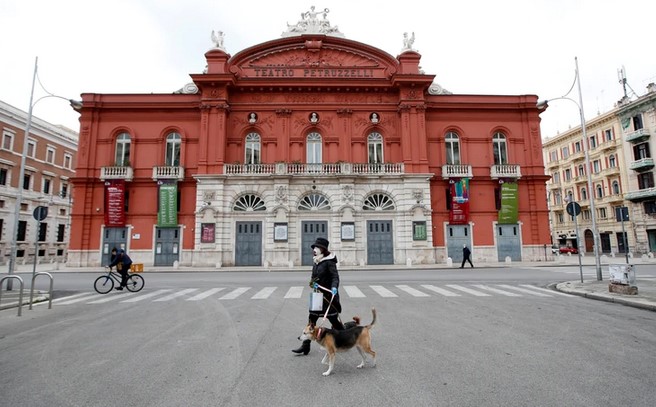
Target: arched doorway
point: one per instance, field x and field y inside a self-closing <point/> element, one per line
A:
<point x="589" y="241"/>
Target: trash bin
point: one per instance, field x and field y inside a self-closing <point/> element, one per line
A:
<point x="622" y="274"/>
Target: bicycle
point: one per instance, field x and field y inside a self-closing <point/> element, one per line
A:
<point x="105" y="284"/>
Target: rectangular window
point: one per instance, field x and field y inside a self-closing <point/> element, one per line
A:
<point x="419" y="230"/>
<point x="31" y="148"/>
<point x="577" y="147"/>
<point x="568" y="175"/>
<point x="61" y="229"/>
<point x="593" y="141"/>
<point x="602" y="213"/>
<point x="22" y="230"/>
<point x="68" y="161"/>
<point x="3" y="176"/>
<point x="565" y="152"/>
<point x="46" y="185"/>
<point x="608" y="134"/>
<point x="650" y="207"/>
<point x="64" y="190"/>
<point x="555" y="178"/>
<point x="637" y="122"/>
<point x="641" y="151"/>
<point x="553" y="156"/>
<point x="27" y="178"/>
<point x="596" y="165"/>
<point x="448" y="199"/>
<point x="646" y="180"/>
<point x="43" y="229"/>
<point x="7" y="141"/>
<point x="50" y="155"/>
<point x="561" y="218"/>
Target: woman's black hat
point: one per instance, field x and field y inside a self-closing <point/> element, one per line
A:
<point x="321" y="242"/>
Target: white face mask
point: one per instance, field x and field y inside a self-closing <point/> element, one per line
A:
<point x="316" y="251"/>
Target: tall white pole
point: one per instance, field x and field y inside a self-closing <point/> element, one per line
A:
<point x="588" y="172"/>
<point x="19" y="186"/>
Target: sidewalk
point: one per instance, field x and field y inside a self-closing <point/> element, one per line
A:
<point x="593" y="289"/>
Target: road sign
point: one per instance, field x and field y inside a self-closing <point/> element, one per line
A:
<point x="573" y="209"/>
<point x="40" y="213"/>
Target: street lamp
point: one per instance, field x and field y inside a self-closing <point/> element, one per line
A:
<point x="542" y="105"/>
<point x="19" y="193"/>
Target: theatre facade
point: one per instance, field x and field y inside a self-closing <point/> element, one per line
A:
<point x="309" y="135"/>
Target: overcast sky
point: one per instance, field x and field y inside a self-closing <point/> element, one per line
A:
<point x="472" y="46"/>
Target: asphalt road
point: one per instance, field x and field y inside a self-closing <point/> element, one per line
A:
<point x="439" y="343"/>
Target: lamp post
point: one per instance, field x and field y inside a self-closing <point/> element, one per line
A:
<point x="588" y="173"/>
<point x="19" y="190"/>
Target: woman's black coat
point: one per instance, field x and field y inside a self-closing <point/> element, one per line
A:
<point x="325" y="274"/>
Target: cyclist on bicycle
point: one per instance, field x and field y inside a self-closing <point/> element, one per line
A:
<point x="122" y="262"/>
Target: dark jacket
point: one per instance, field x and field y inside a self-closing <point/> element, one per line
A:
<point x="466" y="252"/>
<point x="122" y="257"/>
<point x="325" y="274"/>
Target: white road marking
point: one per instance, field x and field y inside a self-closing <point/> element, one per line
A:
<point x="353" y="291"/>
<point x="205" y="294"/>
<point x="109" y="298"/>
<point x="176" y="294"/>
<point x="546" y="290"/>
<point x="382" y="291"/>
<point x="467" y="290"/>
<point x="524" y="290"/>
<point x="146" y="296"/>
<point x="441" y="291"/>
<point x="497" y="291"/>
<point x="412" y="291"/>
<point x="235" y="293"/>
<point x="264" y="293"/>
<point x="294" y="292"/>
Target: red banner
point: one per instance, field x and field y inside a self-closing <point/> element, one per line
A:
<point x="459" y="214"/>
<point x="115" y="203"/>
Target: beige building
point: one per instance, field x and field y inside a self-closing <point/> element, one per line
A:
<point x="621" y="175"/>
<point x="49" y="167"/>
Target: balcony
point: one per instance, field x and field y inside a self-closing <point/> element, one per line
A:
<point x="116" y="172"/>
<point x="608" y="144"/>
<point x="641" y="195"/>
<point x="644" y="164"/>
<point x="505" y="171"/>
<point x="553" y="164"/>
<point x="457" y="171"/>
<point x="579" y="155"/>
<point x="314" y="169"/>
<point x="168" y="173"/>
<point x="610" y="171"/>
<point x="637" y="136"/>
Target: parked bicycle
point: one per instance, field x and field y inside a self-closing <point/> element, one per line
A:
<point x="105" y="284"/>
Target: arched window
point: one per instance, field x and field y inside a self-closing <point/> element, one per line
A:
<point x="123" y="150"/>
<point x="452" y="144"/>
<point x="314" y="148"/>
<point x="375" y="144"/>
<point x="378" y="202"/>
<point x="600" y="191"/>
<point x="616" y="188"/>
<point x="313" y="202"/>
<point x="253" y="149"/>
<point x="500" y="149"/>
<point x="249" y="203"/>
<point x="612" y="161"/>
<point x="584" y="194"/>
<point x="173" y="143"/>
<point x="581" y="170"/>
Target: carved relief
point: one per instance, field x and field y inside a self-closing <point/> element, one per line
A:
<point x="208" y="196"/>
<point x="281" y="194"/>
<point x="327" y="57"/>
<point x="347" y="193"/>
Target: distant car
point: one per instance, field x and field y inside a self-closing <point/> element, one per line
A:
<point x="568" y="249"/>
<point x="555" y="249"/>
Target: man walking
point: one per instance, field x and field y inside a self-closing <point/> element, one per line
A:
<point x="466" y="253"/>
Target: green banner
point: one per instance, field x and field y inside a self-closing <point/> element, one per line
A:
<point x="167" y="216"/>
<point x="508" y="213"/>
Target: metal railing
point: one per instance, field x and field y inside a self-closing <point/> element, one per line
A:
<point x="20" y="294"/>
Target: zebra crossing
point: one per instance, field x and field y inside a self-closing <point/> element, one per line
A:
<point x="299" y="292"/>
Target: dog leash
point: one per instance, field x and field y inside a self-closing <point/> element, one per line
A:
<point x="331" y="301"/>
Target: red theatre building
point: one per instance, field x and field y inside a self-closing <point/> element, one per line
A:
<point x="309" y="135"/>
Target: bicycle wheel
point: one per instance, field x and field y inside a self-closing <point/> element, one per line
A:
<point x="103" y="284"/>
<point x="135" y="283"/>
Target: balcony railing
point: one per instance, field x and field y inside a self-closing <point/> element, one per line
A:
<point x="637" y="136"/>
<point x="642" y="165"/>
<point x="168" y="173"/>
<point x="641" y="194"/>
<point x="314" y="169"/>
<point x="457" y="171"/>
<point x="608" y="144"/>
<point x="116" y="172"/>
<point x="505" y="171"/>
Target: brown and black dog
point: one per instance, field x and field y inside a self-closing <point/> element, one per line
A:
<point x="333" y="341"/>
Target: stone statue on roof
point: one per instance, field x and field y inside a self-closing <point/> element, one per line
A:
<point x="310" y="23"/>
<point x="217" y="39"/>
<point x="408" y="41"/>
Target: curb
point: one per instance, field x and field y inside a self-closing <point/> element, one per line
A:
<point x="636" y="303"/>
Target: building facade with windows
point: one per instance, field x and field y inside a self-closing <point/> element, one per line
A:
<point x="49" y="168"/>
<point x="621" y="169"/>
<point x="309" y="135"/>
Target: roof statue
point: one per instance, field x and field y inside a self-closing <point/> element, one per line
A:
<point x="217" y="39"/>
<point x="311" y="24"/>
<point x="407" y="42"/>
